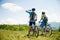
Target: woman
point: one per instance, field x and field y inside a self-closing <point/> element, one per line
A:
<point x="44" y="22"/>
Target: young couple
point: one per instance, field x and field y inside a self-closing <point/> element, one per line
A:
<point x="33" y="19"/>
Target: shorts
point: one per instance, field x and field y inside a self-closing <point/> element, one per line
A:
<point x="43" y="24"/>
<point x="30" y="23"/>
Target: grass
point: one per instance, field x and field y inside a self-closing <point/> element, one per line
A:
<point x="20" y="35"/>
<point x="16" y="32"/>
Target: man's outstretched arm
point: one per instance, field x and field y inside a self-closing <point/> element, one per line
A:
<point x="28" y="12"/>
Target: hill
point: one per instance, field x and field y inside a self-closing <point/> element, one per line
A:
<point x="55" y="25"/>
<point x="20" y="35"/>
<point x="19" y="32"/>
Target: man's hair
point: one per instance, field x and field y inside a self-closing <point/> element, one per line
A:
<point x="43" y="12"/>
<point x="33" y="9"/>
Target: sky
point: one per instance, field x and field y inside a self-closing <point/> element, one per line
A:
<point x="13" y="11"/>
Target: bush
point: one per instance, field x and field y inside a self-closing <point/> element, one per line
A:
<point x="14" y="27"/>
<point x="59" y="29"/>
<point x="3" y="26"/>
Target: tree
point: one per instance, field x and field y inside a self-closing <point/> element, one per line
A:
<point x="59" y="29"/>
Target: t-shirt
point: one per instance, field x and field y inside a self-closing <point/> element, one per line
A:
<point x="44" y="18"/>
<point x="29" y="15"/>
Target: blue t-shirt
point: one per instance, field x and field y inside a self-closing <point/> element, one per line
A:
<point x="30" y="14"/>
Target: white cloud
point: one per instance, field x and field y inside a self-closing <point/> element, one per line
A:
<point x="12" y="7"/>
<point x="53" y="18"/>
<point x="12" y="21"/>
<point x="9" y="21"/>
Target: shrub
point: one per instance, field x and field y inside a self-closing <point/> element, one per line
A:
<point x="14" y="27"/>
<point x="59" y="29"/>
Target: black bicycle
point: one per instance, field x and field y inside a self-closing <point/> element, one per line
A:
<point x="35" y="30"/>
<point x="47" y="30"/>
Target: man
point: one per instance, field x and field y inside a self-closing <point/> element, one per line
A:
<point x="44" y="22"/>
<point x="33" y="18"/>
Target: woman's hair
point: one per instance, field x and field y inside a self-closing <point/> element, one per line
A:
<point x="43" y="12"/>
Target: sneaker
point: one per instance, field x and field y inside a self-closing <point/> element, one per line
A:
<point x="42" y="34"/>
<point x="28" y="35"/>
<point x="36" y="35"/>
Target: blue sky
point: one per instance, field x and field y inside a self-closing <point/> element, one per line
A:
<point x="13" y="11"/>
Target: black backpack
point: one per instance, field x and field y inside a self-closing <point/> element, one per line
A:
<point x="45" y="19"/>
<point x="32" y="16"/>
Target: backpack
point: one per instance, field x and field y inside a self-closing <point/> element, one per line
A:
<point x="45" y="19"/>
<point x="32" y="16"/>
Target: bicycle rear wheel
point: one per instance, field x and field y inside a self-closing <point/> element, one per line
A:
<point x="48" y="30"/>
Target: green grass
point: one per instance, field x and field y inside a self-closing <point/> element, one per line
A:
<point x="19" y="32"/>
<point x="14" y="27"/>
<point x="21" y="35"/>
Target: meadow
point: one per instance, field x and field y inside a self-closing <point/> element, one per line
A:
<point x="19" y="32"/>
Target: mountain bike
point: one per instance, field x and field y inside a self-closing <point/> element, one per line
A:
<point x="35" y="30"/>
<point x="47" y="30"/>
